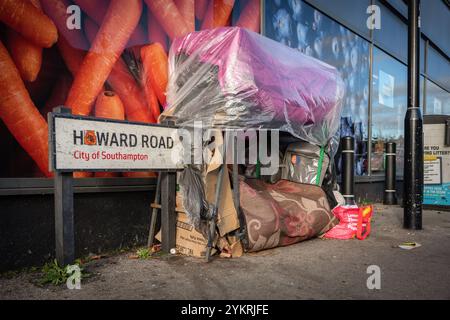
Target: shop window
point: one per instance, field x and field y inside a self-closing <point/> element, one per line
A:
<point x="437" y="99"/>
<point x="422" y="94"/>
<point x="393" y="35"/>
<point x="308" y="30"/>
<point x="389" y="103"/>
<point x="438" y="68"/>
<point x="351" y="13"/>
<point x="400" y="6"/>
<point x="435" y="18"/>
<point x="423" y="44"/>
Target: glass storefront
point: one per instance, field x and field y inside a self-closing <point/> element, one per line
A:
<point x="392" y="34"/>
<point x="321" y="29"/>
<point x="300" y="26"/>
<point x="438" y="68"/>
<point x="389" y="100"/>
<point x="437" y="99"/>
<point x="346" y="12"/>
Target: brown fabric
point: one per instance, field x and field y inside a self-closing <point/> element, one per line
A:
<point x="283" y="213"/>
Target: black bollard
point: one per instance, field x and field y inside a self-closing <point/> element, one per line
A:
<point x="348" y="169"/>
<point x="447" y="133"/>
<point x="390" y="196"/>
<point x="413" y="167"/>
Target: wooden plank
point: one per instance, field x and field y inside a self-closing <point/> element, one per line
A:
<point x="158" y="206"/>
<point x="64" y="218"/>
<point x="64" y="213"/>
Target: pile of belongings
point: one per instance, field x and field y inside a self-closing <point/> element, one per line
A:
<point x="232" y="78"/>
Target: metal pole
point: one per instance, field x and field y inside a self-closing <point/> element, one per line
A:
<point x="348" y="169"/>
<point x="390" y="196"/>
<point x="413" y="162"/>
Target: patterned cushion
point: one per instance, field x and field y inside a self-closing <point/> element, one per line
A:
<point x="283" y="213"/>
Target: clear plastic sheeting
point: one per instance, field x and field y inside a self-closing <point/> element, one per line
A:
<point x="192" y="187"/>
<point x="235" y="78"/>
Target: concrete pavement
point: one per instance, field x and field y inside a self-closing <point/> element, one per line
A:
<point x="315" y="269"/>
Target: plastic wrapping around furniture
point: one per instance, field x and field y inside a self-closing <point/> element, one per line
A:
<point x="234" y="78"/>
<point x="305" y="163"/>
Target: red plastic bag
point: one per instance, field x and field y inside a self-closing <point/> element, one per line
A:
<point x="354" y="222"/>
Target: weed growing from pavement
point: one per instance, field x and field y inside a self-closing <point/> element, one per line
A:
<point x="53" y="273"/>
<point x="143" y="253"/>
<point x="147" y="253"/>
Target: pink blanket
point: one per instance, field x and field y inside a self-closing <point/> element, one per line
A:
<point x="232" y="77"/>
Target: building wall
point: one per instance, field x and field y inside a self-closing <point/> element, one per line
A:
<point x="373" y="64"/>
<point x="104" y="222"/>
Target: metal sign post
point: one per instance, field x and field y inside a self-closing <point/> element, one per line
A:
<point x="91" y="144"/>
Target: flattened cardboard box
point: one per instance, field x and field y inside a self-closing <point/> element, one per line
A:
<point x="227" y="220"/>
<point x="188" y="241"/>
<point x="192" y="243"/>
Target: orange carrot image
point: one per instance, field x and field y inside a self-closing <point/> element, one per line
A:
<point x="27" y="20"/>
<point x="71" y="43"/>
<point x="217" y="14"/>
<point x="40" y="89"/>
<point x="109" y="106"/>
<point x="187" y="10"/>
<point x="169" y="17"/>
<point x="72" y="57"/>
<point x="57" y="11"/>
<point x="139" y="174"/>
<point x="59" y="94"/>
<point x="152" y="99"/>
<point x="250" y="17"/>
<point x="90" y="29"/>
<point x="200" y="8"/>
<point x="106" y="49"/>
<point x="155" y="64"/>
<point x="26" y="55"/>
<point x="102" y="174"/>
<point x="82" y="174"/>
<point x="19" y="113"/>
<point x="97" y="9"/>
<point x="124" y="85"/>
<point x="155" y="31"/>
